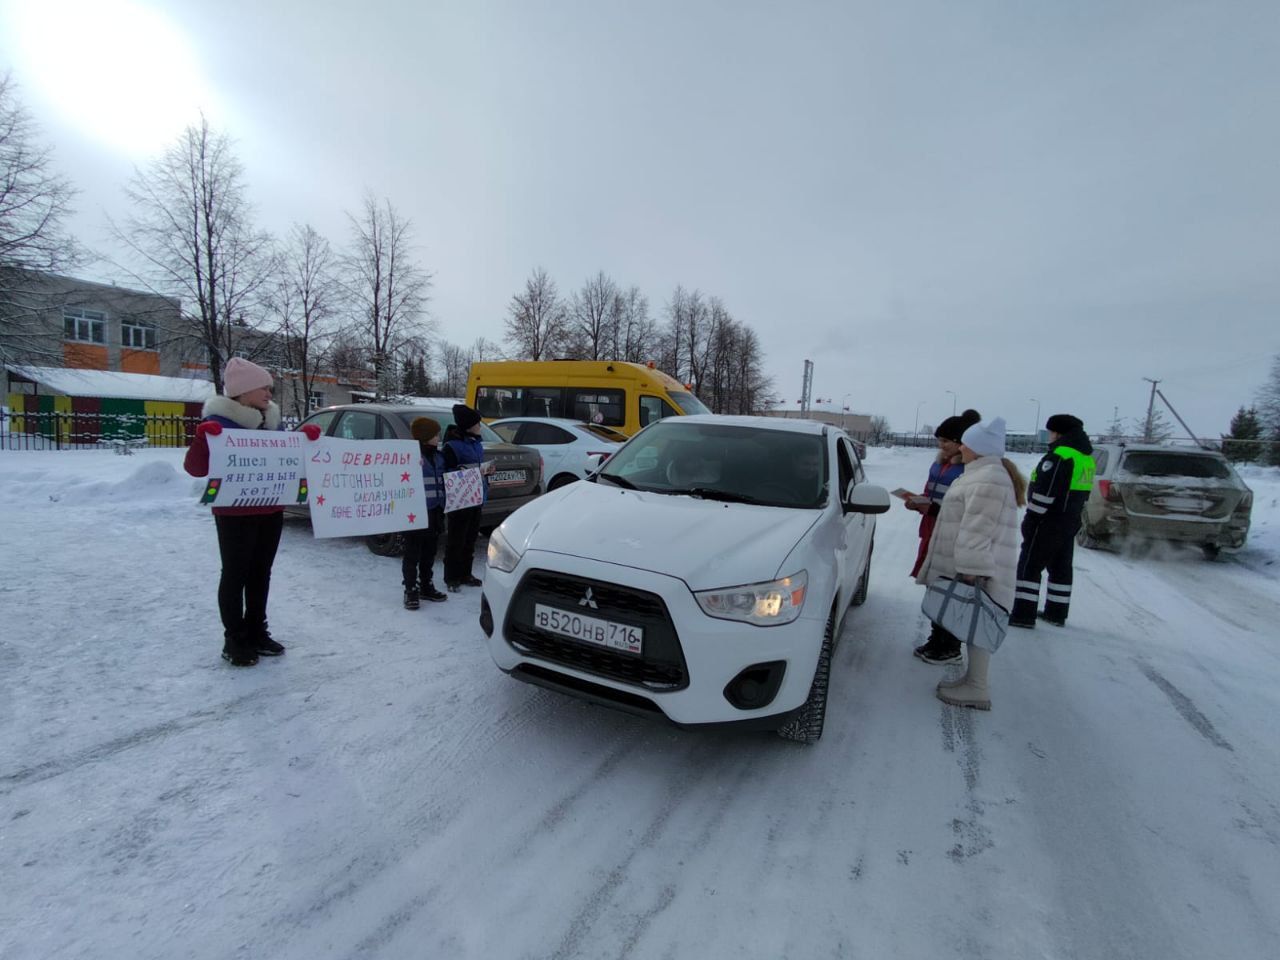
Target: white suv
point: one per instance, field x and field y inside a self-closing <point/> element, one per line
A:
<point x="702" y="575"/>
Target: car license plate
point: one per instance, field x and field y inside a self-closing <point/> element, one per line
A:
<point x="604" y="633"/>
<point x="506" y="478"/>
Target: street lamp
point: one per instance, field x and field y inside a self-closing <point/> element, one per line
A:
<point x="1035" y="431"/>
<point x="953" y="401"/>
<point x="916" y="430"/>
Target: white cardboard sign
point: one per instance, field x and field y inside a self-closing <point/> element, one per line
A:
<point x="359" y="487"/>
<point x="255" y="468"/>
<point x="462" y="489"/>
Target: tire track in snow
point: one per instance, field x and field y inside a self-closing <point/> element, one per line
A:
<point x="1185" y="706"/>
<point x="104" y="751"/>
<point x="705" y="758"/>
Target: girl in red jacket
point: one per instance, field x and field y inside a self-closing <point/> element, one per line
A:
<point x="247" y="536"/>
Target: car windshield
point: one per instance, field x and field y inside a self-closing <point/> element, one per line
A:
<point x="1159" y="463"/>
<point x="487" y="434"/>
<point x="687" y="402"/>
<point x="724" y="462"/>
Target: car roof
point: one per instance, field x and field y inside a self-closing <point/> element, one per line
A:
<point x="1162" y="448"/>
<point x="392" y="408"/>
<point x="558" y="421"/>
<point x="786" y="424"/>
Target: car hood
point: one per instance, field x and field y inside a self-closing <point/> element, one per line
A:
<point x="706" y="543"/>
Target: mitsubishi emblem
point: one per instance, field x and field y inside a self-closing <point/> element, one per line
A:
<point x="588" y="600"/>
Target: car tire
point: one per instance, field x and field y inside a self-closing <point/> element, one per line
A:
<point x="806" y="726"/>
<point x="1211" y="550"/>
<point x="561" y="480"/>
<point x="860" y="591"/>
<point x="385" y="544"/>
<point x="1088" y="540"/>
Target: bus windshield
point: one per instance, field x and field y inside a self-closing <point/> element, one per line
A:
<point x="687" y="402"/>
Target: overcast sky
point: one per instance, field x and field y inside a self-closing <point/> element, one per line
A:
<point x="1011" y="201"/>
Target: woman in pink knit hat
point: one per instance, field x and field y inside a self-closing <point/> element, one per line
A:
<point x="247" y="536"/>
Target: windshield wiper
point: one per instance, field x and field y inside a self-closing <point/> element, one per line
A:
<point x="614" y="479"/>
<point x="711" y="493"/>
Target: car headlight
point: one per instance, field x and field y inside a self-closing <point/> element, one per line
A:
<point x="764" y="604"/>
<point x="501" y="554"/>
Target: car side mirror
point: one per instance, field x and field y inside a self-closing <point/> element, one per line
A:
<point x="595" y="461"/>
<point x="865" y="498"/>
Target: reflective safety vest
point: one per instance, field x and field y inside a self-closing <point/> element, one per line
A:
<point x="1082" y="467"/>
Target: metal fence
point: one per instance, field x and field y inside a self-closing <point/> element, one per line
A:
<point x="122" y="432"/>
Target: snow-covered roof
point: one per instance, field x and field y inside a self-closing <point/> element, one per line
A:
<point x="73" y="382"/>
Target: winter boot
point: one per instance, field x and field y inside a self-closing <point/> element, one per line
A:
<point x="429" y="592"/>
<point x="263" y="644"/>
<point x="470" y="581"/>
<point x="237" y="650"/>
<point x="971" y="691"/>
<point x="1023" y="613"/>
<point x="453" y="586"/>
<point x="411" y="598"/>
<point x="1057" y="621"/>
<point x="941" y="647"/>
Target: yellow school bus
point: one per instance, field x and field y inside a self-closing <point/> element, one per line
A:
<point x="625" y="396"/>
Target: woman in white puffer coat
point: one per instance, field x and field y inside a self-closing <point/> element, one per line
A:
<point x="976" y="540"/>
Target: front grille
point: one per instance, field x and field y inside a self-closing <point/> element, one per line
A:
<point x="660" y="666"/>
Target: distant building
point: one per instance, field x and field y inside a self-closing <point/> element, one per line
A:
<point x="51" y="323"/>
<point x="857" y="425"/>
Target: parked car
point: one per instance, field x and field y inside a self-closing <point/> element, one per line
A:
<point x="570" y="449"/>
<point x="1152" y="492"/>
<point x="703" y="574"/>
<point x="517" y="479"/>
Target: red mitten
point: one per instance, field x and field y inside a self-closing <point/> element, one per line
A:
<point x="209" y="428"/>
<point x="312" y="431"/>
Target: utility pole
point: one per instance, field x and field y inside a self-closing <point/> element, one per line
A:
<point x="1151" y="407"/>
<point x="807" y="390"/>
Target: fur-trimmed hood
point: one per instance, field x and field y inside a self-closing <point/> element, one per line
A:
<point x="238" y="413"/>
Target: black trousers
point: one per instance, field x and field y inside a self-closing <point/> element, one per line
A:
<point x="420" y="551"/>
<point x="248" y="547"/>
<point x="1048" y="545"/>
<point x="460" y="544"/>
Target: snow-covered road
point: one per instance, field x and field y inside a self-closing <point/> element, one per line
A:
<point x="383" y="791"/>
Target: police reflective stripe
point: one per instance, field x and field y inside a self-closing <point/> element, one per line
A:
<point x="1082" y="467"/>
<point x="1057" y="591"/>
<point x="1042" y="497"/>
<point x="1036" y="508"/>
<point x="1026" y="595"/>
<point x="1029" y="584"/>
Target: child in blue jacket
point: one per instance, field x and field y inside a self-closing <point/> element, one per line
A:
<point x="420" y="545"/>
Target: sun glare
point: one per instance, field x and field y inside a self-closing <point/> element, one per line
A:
<point x="118" y="70"/>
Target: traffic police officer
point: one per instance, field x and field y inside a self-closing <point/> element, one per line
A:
<point x="1060" y="485"/>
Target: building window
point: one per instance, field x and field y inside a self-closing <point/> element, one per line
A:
<point x="315" y="400"/>
<point x="89" y="326"/>
<point x="137" y="336"/>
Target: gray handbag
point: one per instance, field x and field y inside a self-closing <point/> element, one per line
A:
<point x="966" y="611"/>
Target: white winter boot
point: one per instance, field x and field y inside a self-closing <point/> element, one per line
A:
<point x="971" y="690"/>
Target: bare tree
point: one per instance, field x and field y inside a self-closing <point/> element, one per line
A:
<point x="879" y="431"/>
<point x="305" y="297"/>
<point x="688" y="322"/>
<point x="635" y="334"/>
<point x="388" y="289"/>
<point x="483" y="349"/>
<point x="192" y="229"/>
<point x="536" y="318"/>
<point x="594" y="313"/>
<point x="35" y="202"/>
<point x="455" y="364"/>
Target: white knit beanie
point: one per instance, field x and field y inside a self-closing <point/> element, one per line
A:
<point x="242" y="375"/>
<point x="986" y="439"/>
